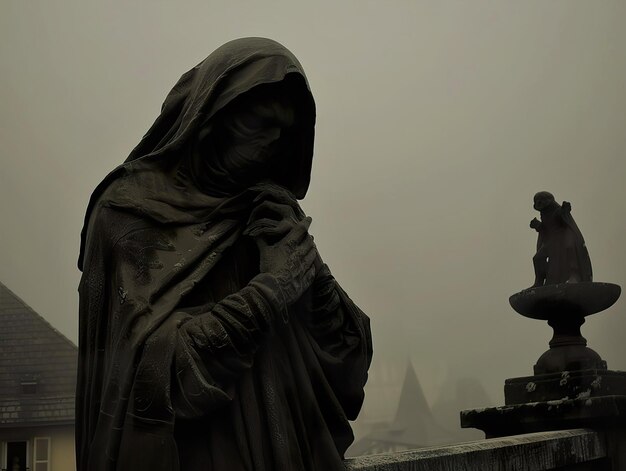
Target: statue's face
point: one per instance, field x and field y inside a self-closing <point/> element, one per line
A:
<point x="542" y="200"/>
<point x="247" y="141"/>
<point x="251" y="130"/>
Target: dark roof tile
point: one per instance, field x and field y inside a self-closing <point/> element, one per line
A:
<point x="32" y="350"/>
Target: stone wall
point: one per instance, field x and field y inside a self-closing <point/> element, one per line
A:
<point x="578" y="449"/>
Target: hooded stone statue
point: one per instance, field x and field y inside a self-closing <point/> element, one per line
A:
<point x="212" y="337"/>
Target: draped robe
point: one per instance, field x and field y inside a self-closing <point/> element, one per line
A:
<point x="188" y="358"/>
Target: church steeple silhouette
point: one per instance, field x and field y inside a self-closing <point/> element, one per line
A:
<point x="413" y="426"/>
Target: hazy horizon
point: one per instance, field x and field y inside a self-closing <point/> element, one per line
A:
<point x="436" y="124"/>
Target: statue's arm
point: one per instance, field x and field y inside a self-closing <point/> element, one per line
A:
<point x="324" y="314"/>
<point x="564" y="211"/>
<point x="214" y="347"/>
<point x="340" y="335"/>
<point x="536" y="224"/>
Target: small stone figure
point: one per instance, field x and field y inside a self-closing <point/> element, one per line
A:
<point x="562" y="256"/>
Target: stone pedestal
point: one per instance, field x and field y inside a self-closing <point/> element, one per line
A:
<point x="565" y="306"/>
<point x="572" y="386"/>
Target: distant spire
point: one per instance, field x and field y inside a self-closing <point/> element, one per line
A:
<point x="414" y="425"/>
<point x="412" y="405"/>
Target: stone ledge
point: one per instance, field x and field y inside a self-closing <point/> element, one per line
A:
<point x="592" y="412"/>
<point x="536" y="451"/>
<point x="566" y="384"/>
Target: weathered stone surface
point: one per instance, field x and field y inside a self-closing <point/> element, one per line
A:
<point x="567" y="384"/>
<point x="602" y="412"/>
<point x="207" y="313"/>
<point x="565" y="299"/>
<point x="534" y="451"/>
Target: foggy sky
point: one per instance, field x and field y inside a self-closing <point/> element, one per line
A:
<point x="437" y="122"/>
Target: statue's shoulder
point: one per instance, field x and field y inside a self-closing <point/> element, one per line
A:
<point x="109" y="221"/>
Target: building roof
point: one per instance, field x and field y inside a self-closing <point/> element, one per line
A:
<point x="37" y="367"/>
<point x="413" y="425"/>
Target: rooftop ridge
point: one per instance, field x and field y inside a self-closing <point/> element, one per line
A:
<point x="39" y="316"/>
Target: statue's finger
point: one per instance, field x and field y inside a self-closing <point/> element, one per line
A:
<point x="284" y="197"/>
<point x="272" y="208"/>
<point x="280" y="196"/>
<point x="299" y="231"/>
<point x="260" y="225"/>
<point x="281" y="228"/>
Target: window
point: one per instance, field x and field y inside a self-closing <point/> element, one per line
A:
<point x="41" y="454"/>
<point x="29" y="387"/>
<point x="28" y="384"/>
<point x="15" y="455"/>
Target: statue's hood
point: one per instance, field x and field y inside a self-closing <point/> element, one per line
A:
<point x="231" y="70"/>
<point x="150" y="182"/>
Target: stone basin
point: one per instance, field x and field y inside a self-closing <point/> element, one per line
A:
<point x="565" y="299"/>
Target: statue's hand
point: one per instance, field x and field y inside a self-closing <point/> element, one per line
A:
<point x="535" y="224"/>
<point x="291" y="260"/>
<point x="278" y="194"/>
<point x="566" y="207"/>
<point x="272" y="220"/>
